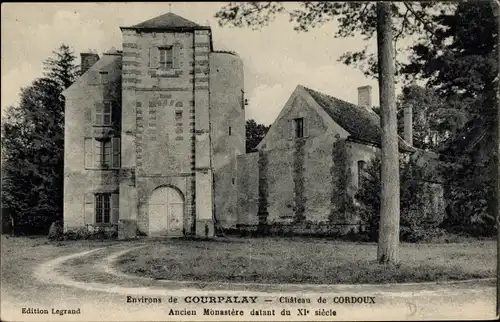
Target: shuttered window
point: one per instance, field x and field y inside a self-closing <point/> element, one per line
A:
<point x="176" y="56"/>
<point x="115" y="147"/>
<point x="102" y="208"/>
<point x="102" y="155"/>
<point x="306" y="127"/>
<point x="115" y="201"/>
<point x="291" y="129"/>
<point x="166" y="58"/>
<point x="89" y="208"/>
<point x="153" y="57"/>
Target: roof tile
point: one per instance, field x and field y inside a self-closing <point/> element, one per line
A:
<point x="167" y="21"/>
<point x="362" y="125"/>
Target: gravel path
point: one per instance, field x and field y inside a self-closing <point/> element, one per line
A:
<point x="61" y="284"/>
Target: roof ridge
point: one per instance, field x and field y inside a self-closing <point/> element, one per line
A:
<point x="341" y="100"/>
<point x="360" y="123"/>
<point x="166" y="21"/>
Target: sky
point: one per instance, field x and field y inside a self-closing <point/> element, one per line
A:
<point x="276" y="59"/>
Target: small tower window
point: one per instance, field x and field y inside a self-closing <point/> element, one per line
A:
<point x="229" y="130"/>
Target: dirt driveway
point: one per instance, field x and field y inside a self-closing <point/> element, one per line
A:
<point x="36" y="276"/>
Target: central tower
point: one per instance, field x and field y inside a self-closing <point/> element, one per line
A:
<point x="166" y="175"/>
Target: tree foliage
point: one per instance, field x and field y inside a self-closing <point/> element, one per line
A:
<point x="417" y="214"/>
<point x="353" y="18"/>
<point x="60" y="67"/>
<point x="33" y="149"/>
<point x="452" y="52"/>
<point x="433" y="120"/>
<point x="254" y="134"/>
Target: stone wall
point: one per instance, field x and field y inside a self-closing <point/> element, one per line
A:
<point x="130" y="69"/>
<point x="227" y="123"/>
<point x="81" y="179"/>
<point x="295" y="183"/>
<point x="247" y="190"/>
<point x="204" y="225"/>
<point x="296" y="187"/>
<point x="168" y="141"/>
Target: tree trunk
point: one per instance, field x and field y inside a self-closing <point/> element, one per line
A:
<point x="495" y="6"/>
<point x="388" y="239"/>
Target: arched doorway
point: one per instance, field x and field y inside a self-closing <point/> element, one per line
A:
<point x="166" y="212"/>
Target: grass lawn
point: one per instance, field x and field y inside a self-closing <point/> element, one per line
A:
<point x="20" y="255"/>
<point x="301" y="260"/>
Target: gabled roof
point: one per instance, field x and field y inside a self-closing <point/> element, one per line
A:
<point x="361" y="124"/>
<point x="168" y="21"/>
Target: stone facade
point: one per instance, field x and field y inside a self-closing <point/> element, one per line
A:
<point x="304" y="181"/>
<point x="155" y="144"/>
<point x="293" y="179"/>
<point x="171" y="112"/>
<point x="82" y="179"/>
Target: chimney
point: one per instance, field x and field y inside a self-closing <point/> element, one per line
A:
<point x="87" y="60"/>
<point x="365" y="97"/>
<point x="408" y="124"/>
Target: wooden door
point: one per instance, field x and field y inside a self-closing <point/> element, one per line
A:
<point x="166" y="213"/>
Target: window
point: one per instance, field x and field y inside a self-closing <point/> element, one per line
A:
<point x="229" y="130"/>
<point x="178" y="115"/>
<point x="166" y="58"/>
<point x="233" y="180"/>
<point x="299" y="127"/>
<point x="102" y="208"/>
<point x="104" y="77"/>
<point x="361" y="171"/>
<point x="102" y="154"/>
<point x="103" y="113"/>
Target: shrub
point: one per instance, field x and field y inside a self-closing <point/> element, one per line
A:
<point x="417" y="216"/>
<point x="419" y="234"/>
<point x="85" y="234"/>
<point x="76" y="234"/>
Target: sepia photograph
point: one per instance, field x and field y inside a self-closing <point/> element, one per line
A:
<point x="250" y="161"/>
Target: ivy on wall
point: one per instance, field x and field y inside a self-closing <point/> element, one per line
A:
<point x="263" y="189"/>
<point x="342" y="203"/>
<point x="298" y="180"/>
